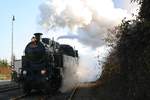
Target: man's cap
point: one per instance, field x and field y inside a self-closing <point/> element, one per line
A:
<point x="38" y="34"/>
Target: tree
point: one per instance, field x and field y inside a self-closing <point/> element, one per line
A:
<point x="144" y="10"/>
<point x="131" y="55"/>
<point x="136" y="1"/>
<point x="3" y="62"/>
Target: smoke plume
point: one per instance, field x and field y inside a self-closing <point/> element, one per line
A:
<point x="68" y="37"/>
<point x="87" y="19"/>
<point x="70" y="78"/>
<point x="132" y="8"/>
<point x="86" y="68"/>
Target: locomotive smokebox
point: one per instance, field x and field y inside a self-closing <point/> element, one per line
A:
<point x="38" y="36"/>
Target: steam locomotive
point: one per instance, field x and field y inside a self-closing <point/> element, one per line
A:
<point x="43" y="64"/>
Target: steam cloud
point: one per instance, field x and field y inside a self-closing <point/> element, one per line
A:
<point x="87" y="19"/>
<point x="132" y="8"/>
<point x="70" y="78"/>
<point x="68" y="37"/>
<point x="83" y="69"/>
<point x="77" y="71"/>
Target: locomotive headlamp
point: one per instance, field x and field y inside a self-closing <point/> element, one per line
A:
<point x="56" y="50"/>
<point x="24" y="72"/>
<point x="43" y="71"/>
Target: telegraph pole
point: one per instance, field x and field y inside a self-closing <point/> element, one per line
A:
<point x="12" y="37"/>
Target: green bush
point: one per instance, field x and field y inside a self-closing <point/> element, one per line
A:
<point x="3" y="63"/>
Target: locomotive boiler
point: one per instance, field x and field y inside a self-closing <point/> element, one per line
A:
<point x="43" y="64"/>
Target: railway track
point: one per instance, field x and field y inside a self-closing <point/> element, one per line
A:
<point x="40" y="96"/>
<point x="76" y="93"/>
<point x="72" y="93"/>
<point x="19" y="97"/>
<point x="8" y="87"/>
<point x="61" y="96"/>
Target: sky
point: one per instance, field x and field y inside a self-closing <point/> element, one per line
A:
<point x="25" y="24"/>
<point x="27" y="16"/>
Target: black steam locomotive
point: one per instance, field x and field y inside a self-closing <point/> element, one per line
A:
<point x="43" y="64"/>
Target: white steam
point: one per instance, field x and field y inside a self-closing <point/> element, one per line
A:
<point x="70" y="78"/>
<point x="86" y="68"/>
<point x="86" y="22"/>
<point x="78" y="70"/>
<point x="132" y="8"/>
<point x="88" y="19"/>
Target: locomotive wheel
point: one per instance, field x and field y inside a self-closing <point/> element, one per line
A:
<point x="26" y="89"/>
<point x="47" y="89"/>
<point x="53" y="86"/>
<point x="56" y="84"/>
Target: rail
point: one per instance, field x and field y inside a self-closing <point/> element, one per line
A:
<point x="73" y="93"/>
<point x="19" y="97"/>
<point x="8" y="87"/>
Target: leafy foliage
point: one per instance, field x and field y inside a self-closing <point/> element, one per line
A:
<point x="128" y="65"/>
<point x="145" y="10"/>
<point x="111" y="67"/>
<point x="139" y="1"/>
<point x="3" y="63"/>
<point x="113" y="36"/>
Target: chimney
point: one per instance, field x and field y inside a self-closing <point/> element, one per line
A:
<point x="38" y="36"/>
